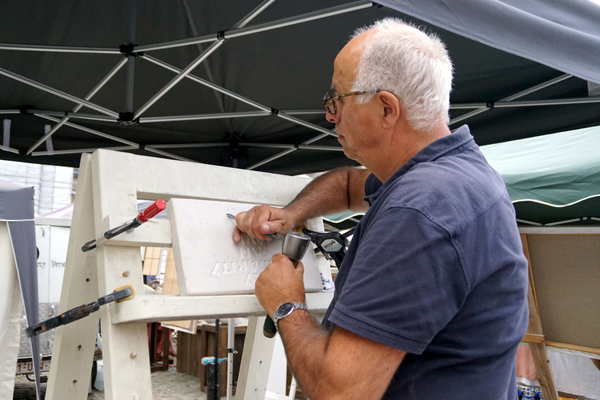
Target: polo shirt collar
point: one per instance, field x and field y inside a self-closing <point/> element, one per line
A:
<point x="455" y="142"/>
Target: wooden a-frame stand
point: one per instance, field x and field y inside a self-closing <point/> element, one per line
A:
<point x="109" y="186"/>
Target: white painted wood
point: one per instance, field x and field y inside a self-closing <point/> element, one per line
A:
<point x="125" y="347"/>
<point x="160" y="178"/>
<point x="173" y="308"/>
<point x="256" y="360"/>
<point x="276" y="383"/>
<point x="209" y="262"/>
<point x="154" y="233"/>
<point x="11" y="306"/>
<point x="110" y="185"/>
<point x="73" y="350"/>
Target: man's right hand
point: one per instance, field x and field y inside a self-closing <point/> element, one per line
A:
<point x="262" y="220"/>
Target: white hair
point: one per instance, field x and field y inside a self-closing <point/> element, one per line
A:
<point x="413" y="65"/>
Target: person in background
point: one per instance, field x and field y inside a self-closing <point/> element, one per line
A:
<point x="431" y="299"/>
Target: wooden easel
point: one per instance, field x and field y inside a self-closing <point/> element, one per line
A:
<point x="535" y="337"/>
<point x="110" y="184"/>
<point x="563" y="261"/>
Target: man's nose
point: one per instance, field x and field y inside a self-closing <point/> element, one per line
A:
<point x="333" y="118"/>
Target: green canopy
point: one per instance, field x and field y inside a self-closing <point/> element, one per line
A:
<point x="551" y="179"/>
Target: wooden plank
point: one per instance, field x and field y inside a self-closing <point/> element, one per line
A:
<point x="533" y="338"/>
<point x="171" y="178"/>
<point x="172" y="308"/>
<point x="573" y="347"/>
<point x="73" y="350"/>
<point x="542" y="366"/>
<point x="125" y="346"/>
<point x="256" y="361"/>
<point x="183" y="352"/>
<point x="170" y="285"/>
<point x="151" y="261"/>
<point x="565" y="230"/>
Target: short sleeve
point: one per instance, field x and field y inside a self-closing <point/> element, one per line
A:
<point x="405" y="284"/>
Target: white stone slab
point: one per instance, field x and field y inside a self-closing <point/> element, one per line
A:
<point x="209" y="262"/>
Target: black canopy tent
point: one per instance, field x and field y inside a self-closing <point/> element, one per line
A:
<point x="239" y="83"/>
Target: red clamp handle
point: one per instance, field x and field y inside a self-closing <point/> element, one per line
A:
<point x="151" y="211"/>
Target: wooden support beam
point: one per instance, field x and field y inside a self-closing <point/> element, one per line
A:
<point x="174" y="308"/>
<point x="73" y="351"/>
<point x="533" y="338"/>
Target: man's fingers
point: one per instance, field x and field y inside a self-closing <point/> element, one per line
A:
<point x="237" y="235"/>
<point x="260" y="221"/>
<point x="279" y="258"/>
<point x="300" y="268"/>
<point x="272" y="227"/>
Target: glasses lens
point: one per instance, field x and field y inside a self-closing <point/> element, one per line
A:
<point x="329" y="103"/>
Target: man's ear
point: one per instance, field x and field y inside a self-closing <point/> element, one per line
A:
<point x="391" y="108"/>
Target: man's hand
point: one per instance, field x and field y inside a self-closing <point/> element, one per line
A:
<point x="260" y="221"/>
<point x="280" y="283"/>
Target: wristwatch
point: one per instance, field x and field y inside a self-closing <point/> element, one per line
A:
<point x="286" y="309"/>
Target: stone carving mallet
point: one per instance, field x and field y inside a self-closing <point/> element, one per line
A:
<point x="294" y="247"/>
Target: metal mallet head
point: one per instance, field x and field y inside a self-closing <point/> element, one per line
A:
<point x="295" y="245"/>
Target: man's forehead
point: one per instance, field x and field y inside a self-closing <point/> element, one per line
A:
<point x="346" y="62"/>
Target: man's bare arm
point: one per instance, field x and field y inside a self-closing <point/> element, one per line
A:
<point x="337" y="365"/>
<point x="336" y="191"/>
<point x="340" y="365"/>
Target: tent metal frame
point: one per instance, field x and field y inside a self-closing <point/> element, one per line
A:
<point x="216" y="40"/>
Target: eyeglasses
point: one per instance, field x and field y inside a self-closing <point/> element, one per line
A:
<point x="329" y="101"/>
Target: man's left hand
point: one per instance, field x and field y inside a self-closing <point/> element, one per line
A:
<point x="280" y="283"/>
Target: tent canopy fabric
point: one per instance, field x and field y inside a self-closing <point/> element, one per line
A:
<point x="559" y="169"/>
<point x="554" y="178"/>
<point x="238" y="83"/>
<point x="16" y="208"/>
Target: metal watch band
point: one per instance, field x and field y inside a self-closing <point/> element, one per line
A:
<point x="282" y="311"/>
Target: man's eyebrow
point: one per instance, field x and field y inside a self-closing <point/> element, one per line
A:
<point x="333" y="87"/>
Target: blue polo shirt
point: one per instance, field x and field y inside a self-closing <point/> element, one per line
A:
<point x="436" y="268"/>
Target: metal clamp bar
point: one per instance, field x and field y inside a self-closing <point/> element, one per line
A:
<point x="78" y="312"/>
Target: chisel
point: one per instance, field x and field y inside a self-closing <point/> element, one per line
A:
<point x="271" y="235"/>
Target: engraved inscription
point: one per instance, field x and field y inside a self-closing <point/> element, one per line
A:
<point x="254" y="256"/>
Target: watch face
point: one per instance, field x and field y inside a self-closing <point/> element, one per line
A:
<point x="284" y="310"/>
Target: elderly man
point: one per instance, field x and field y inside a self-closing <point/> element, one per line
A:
<point x="430" y="300"/>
